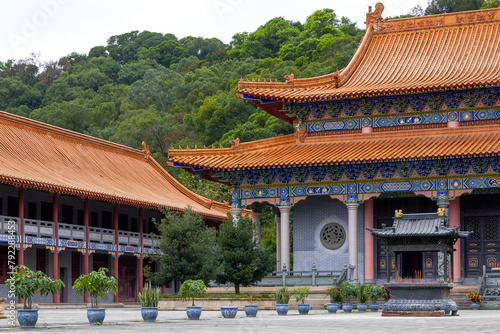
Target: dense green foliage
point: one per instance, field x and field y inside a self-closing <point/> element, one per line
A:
<point x="97" y="284"/>
<point x="154" y="87"/>
<point x="189" y="250"/>
<point x="242" y="262"/>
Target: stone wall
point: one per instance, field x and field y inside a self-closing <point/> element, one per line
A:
<point x="309" y="217"/>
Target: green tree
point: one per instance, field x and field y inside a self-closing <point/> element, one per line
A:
<point x="451" y="6"/>
<point x="322" y="22"/>
<point x="189" y="249"/>
<point x="74" y="115"/>
<point x="490" y="4"/>
<point x="242" y="262"/>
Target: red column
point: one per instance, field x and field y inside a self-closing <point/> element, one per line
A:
<point x="141" y="283"/>
<point x="454" y="213"/>
<point x="86" y="255"/>
<point x="369" y="258"/>
<point x="20" y="209"/>
<point x="21" y="223"/>
<point x="115" y="260"/>
<point x="55" y="255"/>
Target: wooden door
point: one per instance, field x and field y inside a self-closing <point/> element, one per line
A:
<point x="127" y="278"/>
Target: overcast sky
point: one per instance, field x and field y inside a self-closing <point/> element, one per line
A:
<point x="55" y="28"/>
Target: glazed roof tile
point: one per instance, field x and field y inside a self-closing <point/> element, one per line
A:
<point x="291" y="150"/>
<point x="422" y="54"/>
<point x="40" y="156"/>
<point x="418" y="225"/>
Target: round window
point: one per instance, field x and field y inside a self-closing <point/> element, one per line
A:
<point x="332" y="236"/>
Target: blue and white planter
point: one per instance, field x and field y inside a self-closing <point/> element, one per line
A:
<point x="362" y="307"/>
<point x="193" y="312"/>
<point x="374" y="307"/>
<point x="229" y="311"/>
<point x="282" y="309"/>
<point x="475" y="306"/>
<point x="149" y="314"/>
<point x="27" y="318"/>
<point x="96" y="315"/>
<point x="347" y="307"/>
<point x="332" y="307"/>
<point x="303" y="308"/>
<point x="251" y="310"/>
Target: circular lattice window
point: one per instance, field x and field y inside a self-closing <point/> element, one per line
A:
<point x="332" y="236"/>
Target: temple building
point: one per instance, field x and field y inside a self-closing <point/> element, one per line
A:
<point x="74" y="203"/>
<point x="412" y="124"/>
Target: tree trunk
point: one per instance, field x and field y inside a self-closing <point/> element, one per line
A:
<point x="237" y="288"/>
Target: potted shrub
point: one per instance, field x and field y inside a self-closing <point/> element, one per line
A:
<point x="347" y="290"/>
<point x="191" y="289"/>
<point x="475" y="299"/>
<point x="282" y="298"/>
<point x="26" y="283"/>
<point x="375" y="292"/>
<point x="300" y="296"/>
<point x="362" y="297"/>
<point x="98" y="284"/>
<point x="335" y="299"/>
<point x="149" y="302"/>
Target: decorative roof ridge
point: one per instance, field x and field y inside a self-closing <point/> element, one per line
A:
<point x="335" y="79"/>
<point x="465" y="18"/>
<point x="482" y="130"/>
<point x="248" y="146"/>
<point x="68" y="135"/>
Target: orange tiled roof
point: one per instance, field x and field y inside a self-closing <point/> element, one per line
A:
<point x="421" y="54"/>
<point x="37" y="155"/>
<point x="291" y="150"/>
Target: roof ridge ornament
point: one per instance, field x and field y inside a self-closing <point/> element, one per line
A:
<point x="375" y="18"/>
<point x="235" y="143"/>
<point x="145" y="150"/>
<point x="398" y="213"/>
<point x="289" y="78"/>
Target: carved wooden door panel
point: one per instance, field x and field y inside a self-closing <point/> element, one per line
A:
<point x="482" y="246"/>
<point x="127" y="278"/>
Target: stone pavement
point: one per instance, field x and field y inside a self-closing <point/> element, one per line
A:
<point x="128" y="320"/>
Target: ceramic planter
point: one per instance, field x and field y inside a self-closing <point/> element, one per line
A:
<point x="332" y="307"/>
<point x="96" y="315"/>
<point x="303" y="308"/>
<point x="27" y="318"/>
<point x="347" y="307"/>
<point x="475" y="306"/>
<point x="251" y="310"/>
<point x="282" y="309"/>
<point x="149" y="314"/>
<point x="193" y="312"/>
<point x="362" y="307"/>
<point x="229" y="311"/>
<point x="374" y="307"/>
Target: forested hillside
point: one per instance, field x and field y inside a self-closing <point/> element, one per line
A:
<point x="154" y="87"/>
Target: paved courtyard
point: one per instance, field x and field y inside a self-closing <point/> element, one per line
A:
<point x="128" y="320"/>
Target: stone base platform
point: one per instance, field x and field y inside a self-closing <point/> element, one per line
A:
<point x="412" y="313"/>
<point x="446" y="306"/>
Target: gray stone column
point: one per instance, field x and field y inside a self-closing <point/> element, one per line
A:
<point x="285" y="236"/>
<point x="256" y="216"/>
<point x="236" y="213"/>
<point x="278" y="243"/>
<point x="352" y="214"/>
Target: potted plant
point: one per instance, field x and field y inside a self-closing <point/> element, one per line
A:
<point x="191" y="289"/>
<point x="26" y="283"/>
<point x="335" y="299"/>
<point x="475" y="299"/>
<point x="300" y="295"/>
<point x="375" y="292"/>
<point x="362" y="297"/>
<point x="149" y="302"/>
<point x="282" y="298"/>
<point x="347" y="290"/>
<point x="97" y="284"/>
<point x="251" y="309"/>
